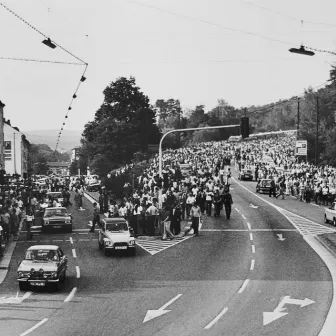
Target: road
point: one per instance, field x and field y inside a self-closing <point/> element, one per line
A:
<point x="245" y="276"/>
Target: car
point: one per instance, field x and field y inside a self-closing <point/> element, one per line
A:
<point x="56" y="218"/>
<point x="116" y="235"/>
<point x="43" y="266"/>
<point x="185" y="169"/>
<point x="263" y="186"/>
<point x="245" y="174"/>
<point x="330" y="214"/>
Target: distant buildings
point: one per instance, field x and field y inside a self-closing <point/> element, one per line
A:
<point x="59" y="168"/>
<point x="16" y="150"/>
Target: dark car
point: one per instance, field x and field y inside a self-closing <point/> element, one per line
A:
<point x="245" y="174"/>
<point x="56" y="218"/>
<point x="43" y="265"/>
<point x="263" y="186"/>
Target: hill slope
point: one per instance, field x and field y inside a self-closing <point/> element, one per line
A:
<point x="69" y="138"/>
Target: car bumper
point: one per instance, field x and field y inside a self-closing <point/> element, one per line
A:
<point x="46" y="281"/>
<point x="120" y="249"/>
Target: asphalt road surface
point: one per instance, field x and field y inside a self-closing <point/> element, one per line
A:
<point x="253" y="274"/>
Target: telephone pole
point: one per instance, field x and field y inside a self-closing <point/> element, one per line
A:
<point x="298" y="119"/>
<point x="317" y="131"/>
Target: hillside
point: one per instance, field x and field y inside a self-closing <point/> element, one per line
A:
<point x="69" y="138"/>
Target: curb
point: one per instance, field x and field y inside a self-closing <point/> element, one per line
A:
<point x="326" y="246"/>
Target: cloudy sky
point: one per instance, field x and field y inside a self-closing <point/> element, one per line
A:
<point x="194" y="50"/>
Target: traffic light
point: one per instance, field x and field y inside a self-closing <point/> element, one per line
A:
<point x="244" y="127"/>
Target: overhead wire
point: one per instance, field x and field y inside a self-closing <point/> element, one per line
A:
<point x="82" y="79"/>
<point x="38" y="61"/>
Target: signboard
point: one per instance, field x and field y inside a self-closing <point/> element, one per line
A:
<point x="8" y="150"/>
<point x="301" y="147"/>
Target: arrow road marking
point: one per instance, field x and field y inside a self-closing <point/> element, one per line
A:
<point x="151" y="314"/>
<point x="15" y="299"/>
<point x="254" y="206"/>
<point x="269" y="317"/>
<point x="280" y="237"/>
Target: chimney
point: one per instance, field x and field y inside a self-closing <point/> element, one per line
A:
<point x="2" y="138"/>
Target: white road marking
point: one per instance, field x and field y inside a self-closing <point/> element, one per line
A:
<point x="71" y="295"/>
<point x="82" y="233"/>
<point x="237" y="210"/>
<point x="27" y="332"/>
<point x="57" y="240"/>
<point x="71" y="240"/>
<point x="242" y="288"/>
<point x="247" y="230"/>
<point x="15" y="299"/>
<point x="253" y="249"/>
<point x="77" y="272"/>
<point x="251" y="236"/>
<point x="252" y="265"/>
<point x="248" y="225"/>
<point x="83" y="239"/>
<point x="243" y="216"/>
<point x="74" y="253"/>
<point x="215" y="320"/>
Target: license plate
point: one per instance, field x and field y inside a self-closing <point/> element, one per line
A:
<point x="57" y="226"/>
<point x="121" y="247"/>
<point x="39" y="284"/>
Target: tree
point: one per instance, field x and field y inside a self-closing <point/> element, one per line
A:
<point x="124" y="124"/>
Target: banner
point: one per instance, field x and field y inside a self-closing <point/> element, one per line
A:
<point x="301" y="147"/>
<point x="8" y="150"/>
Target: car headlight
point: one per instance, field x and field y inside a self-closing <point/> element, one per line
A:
<point x="108" y="243"/>
<point x="131" y="242"/>
<point x="46" y="221"/>
<point x="67" y="221"/>
<point x="20" y="274"/>
<point x="23" y="274"/>
<point x="53" y="275"/>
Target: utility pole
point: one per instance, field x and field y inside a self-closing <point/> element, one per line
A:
<point x="317" y="134"/>
<point x="298" y="119"/>
<point x="2" y="140"/>
<point x="245" y="111"/>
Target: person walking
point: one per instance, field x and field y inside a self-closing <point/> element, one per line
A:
<point x="96" y="217"/>
<point x="195" y="218"/>
<point x="227" y="201"/>
<point x="175" y="225"/>
<point x="272" y="188"/>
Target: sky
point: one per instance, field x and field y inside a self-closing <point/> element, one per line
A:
<point x="197" y="51"/>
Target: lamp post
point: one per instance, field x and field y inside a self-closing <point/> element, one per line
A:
<point x="317" y="131"/>
<point x="182" y="130"/>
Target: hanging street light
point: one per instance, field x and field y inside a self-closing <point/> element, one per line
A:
<point x="302" y="51"/>
<point x="49" y="44"/>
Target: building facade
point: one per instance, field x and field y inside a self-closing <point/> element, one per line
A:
<point x="59" y="168"/>
<point x="16" y="151"/>
<point x="74" y="154"/>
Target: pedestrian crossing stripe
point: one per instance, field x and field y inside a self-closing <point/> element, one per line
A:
<point x="305" y="226"/>
<point x="155" y="246"/>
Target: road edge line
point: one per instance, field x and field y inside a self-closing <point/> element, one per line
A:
<point x="71" y="295"/>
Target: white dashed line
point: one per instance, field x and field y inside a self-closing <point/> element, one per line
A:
<point x="215" y="320"/>
<point x="27" y="332"/>
<point x="71" y="295"/>
<point x="248" y="225"/>
<point x="242" y="288"/>
<point x="74" y="253"/>
<point x="253" y="249"/>
<point x="252" y="265"/>
<point x="83" y="233"/>
<point x="83" y="239"/>
<point x="77" y="272"/>
<point x="237" y="210"/>
<point x="243" y="216"/>
<point x="251" y="236"/>
<point x="57" y="240"/>
<point x="71" y="240"/>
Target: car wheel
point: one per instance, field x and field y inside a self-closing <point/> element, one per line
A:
<point x="325" y="219"/>
<point x="106" y="252"/>
<point x="57" y="285"/>
<point x="334" y="222"/>
<point x="132" y="252"/>
<point x="24" y="286"/>
<point x="70" y="229"/>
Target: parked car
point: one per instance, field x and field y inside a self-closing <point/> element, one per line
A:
<point x="330" y="214"/>
<point x="116" y="235"/>
<point x="245" y="174"/>
<point x="56" y="218"/>
<point x="43" y="265"/>
<point x="263" y="186"/>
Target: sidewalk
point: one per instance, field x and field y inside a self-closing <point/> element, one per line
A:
<point x="328" y="240"/>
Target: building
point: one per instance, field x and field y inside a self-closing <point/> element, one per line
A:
<point x="59" y="168"/>
<point x="16" y="150"/>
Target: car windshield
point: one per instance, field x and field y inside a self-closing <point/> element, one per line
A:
<point x="266" y="183"/>
<point x="42" y="255"/>
<point x="116" y="227"/>
<point x="248" y="171"/>
<point x="56" y="212"/>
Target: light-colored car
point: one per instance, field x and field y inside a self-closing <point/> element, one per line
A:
<point x="43" y="265"/>
<point x="245" y="174"/>
<point x="263" y="186"/>
<point x="330" y="214"/>
<point x="56" y="218"/>
<point x="116" y="235"/>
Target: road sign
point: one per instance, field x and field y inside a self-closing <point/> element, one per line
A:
<point x="301" y="147"/>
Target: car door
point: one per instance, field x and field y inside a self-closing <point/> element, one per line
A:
<point x="63" y="261"/>
<point x="330" y="212"/>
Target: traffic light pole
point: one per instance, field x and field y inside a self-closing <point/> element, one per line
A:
<point x="183" y="130"/>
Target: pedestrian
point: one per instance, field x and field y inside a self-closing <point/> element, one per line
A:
<point x="195" y="218"/>
<point x="272" y="188"/>
<point x="29" y="222"/>
<point x="175" y="225"/>
<point x="96" y="216"/>
<point x="227" y="201"/>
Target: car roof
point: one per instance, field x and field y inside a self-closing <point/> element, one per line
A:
<point x="43" y="247"/>
<point x="115" y="220"/>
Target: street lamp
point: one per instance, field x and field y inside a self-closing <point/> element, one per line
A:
<point x="49" y="44"/>
<point x="302" y="51"/>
